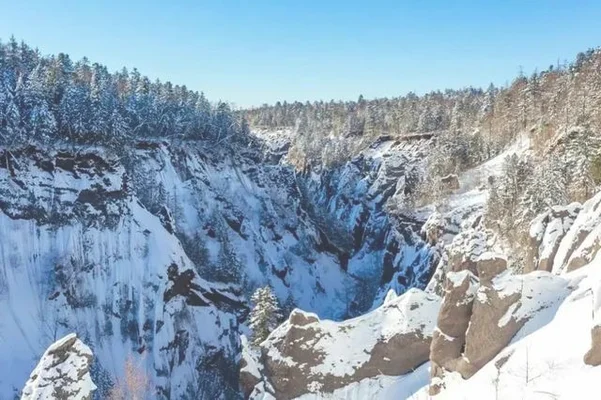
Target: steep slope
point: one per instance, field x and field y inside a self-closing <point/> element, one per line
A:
<point x="80" y="253"/>
<point x="153" y="253"/>
<point x="382" y="246"/>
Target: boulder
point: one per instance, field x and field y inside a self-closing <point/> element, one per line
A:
<point x="63" y="373"/>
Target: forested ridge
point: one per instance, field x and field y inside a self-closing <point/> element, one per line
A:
<point x="52" y="100"/>
<point x="49" y="99"/>
<point x="474" y="123"/>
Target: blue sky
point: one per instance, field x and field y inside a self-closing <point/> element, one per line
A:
<point x="252" y="52"/>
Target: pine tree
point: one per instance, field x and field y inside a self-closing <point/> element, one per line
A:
<point x="265" y="315"/>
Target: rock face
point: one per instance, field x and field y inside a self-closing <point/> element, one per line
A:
<point x="63" y="373"/>
<point x="580" y="243"/>
<point x="251" y="373"/>
<point x="449" y="337"/>
<point x="306" y="355"/>
<point x="387" y="249"/>
<point x="546" y="232"/>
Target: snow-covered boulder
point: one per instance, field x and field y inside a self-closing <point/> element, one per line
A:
<point x="461" y="254"/>
<point x="309" y="355"/>
<point x="62" y="373"/>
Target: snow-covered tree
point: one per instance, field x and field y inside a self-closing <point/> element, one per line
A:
<point x="265" y="315"/>
<point x="52" y="98"/>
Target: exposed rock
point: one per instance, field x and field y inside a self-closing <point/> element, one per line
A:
<point x="306" y="355"/>
<point x="586" y="252"/>
<point x="593" y="356"/>
<point x="300" y="318"/>
<point x="486" y="336"/>
<point x="465" y="249"/>
<point x="545" y="235"/>
<point x="580" y="243"/>
<point x="448" y="340"/>
<point x="166" y="219"/>
<point x="63" y="373"/>
<point x="484" y="306"/>
<point x="501" y="309"/>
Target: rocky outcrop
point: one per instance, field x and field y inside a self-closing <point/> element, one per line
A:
<point x="453" y="320"/>
<point x="581" y="242"/>
<point x="461" y="254"/>
<point x="484" y="306"/>
<point x="545" y="235"/>
<point x="593" y="356"/>
<point x="307" y="355"/>
<point x="63" y="373"/>
<point x="489" y="332"/>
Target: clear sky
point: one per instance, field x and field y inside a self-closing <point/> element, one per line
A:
<point x="259" y="51"/>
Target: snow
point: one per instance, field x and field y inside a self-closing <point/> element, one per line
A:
<point x="472" y="183"/>
<point x="130" y="261"/>
<point x="544" y="360"/>
<point x="390" y="296"/>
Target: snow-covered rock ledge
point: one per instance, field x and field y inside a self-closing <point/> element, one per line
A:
<point x="309" y="355"/>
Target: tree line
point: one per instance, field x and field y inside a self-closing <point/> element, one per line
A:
<point x="546" y="102"/>
<point x="50" y="99"/>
